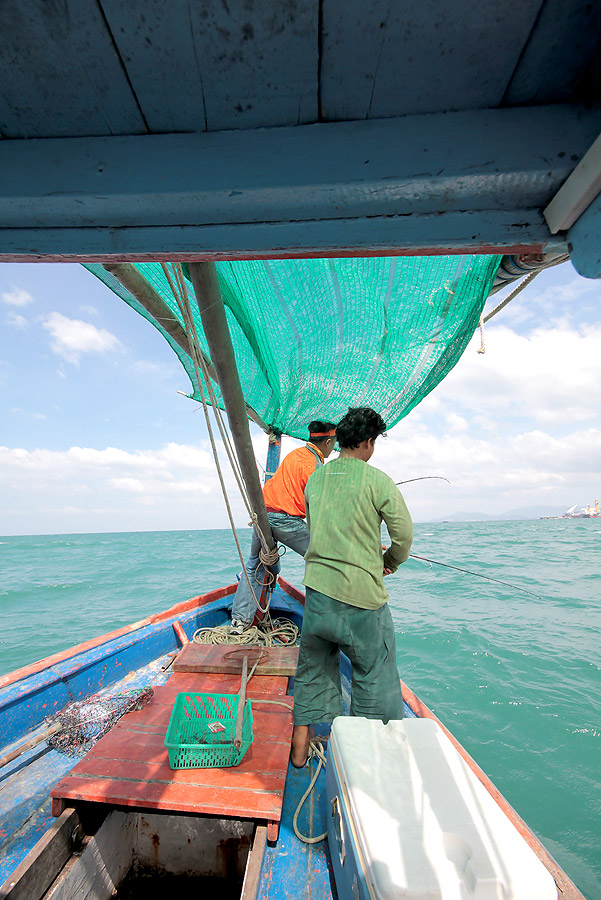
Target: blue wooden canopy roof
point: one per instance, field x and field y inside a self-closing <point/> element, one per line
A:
<point x="297" y="127"/>
<point x="107" y="67"/>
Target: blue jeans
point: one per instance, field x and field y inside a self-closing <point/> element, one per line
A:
<point x="289" y="530"/>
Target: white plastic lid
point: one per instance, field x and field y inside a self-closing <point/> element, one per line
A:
<point x="425" y="827"/>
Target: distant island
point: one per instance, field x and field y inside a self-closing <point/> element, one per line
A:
<point x="523" y="512"/>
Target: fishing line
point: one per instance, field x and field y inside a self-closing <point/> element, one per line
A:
<point x="423" y="478"/>
<point x="435" y="562"/>
<point x="477" y="575"/>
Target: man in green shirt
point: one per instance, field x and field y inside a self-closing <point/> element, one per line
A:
<point x="346" y="602"/>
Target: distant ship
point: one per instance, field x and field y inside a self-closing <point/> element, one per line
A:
<point x="583" y="512"/>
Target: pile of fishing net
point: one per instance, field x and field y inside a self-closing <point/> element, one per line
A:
<point x="81" y="723"/>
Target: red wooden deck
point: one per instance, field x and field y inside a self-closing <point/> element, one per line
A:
<point x="130" y="765"/>
<point x="227" y="660"/>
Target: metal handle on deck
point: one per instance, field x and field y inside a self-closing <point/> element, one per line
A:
<point x="241" y="702"/>
<point x="338" y="830"/>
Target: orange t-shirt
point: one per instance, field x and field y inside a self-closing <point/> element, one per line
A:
<point x="285" y="492"/>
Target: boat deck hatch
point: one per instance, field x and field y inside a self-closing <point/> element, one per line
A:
<point x="129" y="767"/>
<point x="146" y="884"/>
<point x="153" y="855"/>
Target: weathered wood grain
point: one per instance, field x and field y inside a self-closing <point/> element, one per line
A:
<point x="103" y="863"/>
<point x="561" y="60"/>
<point x="418" y="57"/>
<point x="33" y="876"/>
<point x="226" y="660"/>
<point x="60" y="73"/>
<point x="250" y="887"/>
<point x="130" y="765"/>
<point x="208" y="66"/>
<point x="419" y="184"/>
<point x="212" y="683"/>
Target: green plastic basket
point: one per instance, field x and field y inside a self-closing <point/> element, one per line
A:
<point x="193" y="745"/>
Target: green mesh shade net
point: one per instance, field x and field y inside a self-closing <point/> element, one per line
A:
<point x="313" y="337"/>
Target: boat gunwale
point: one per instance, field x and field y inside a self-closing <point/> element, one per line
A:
<point x="566" y="888"/>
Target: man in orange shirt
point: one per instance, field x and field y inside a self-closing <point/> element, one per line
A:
<point x="284" y="496"/>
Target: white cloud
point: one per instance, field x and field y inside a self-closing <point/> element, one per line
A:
<point x="16" y="321"/>
<point x="490" y="473"/>
<point x="571" y="291"/>
<point x="145" y="367"/>
<point x="175" y="486"/>
<point x="507" y="472"/>
<point x="456" y="423"/>
<point x="17" y="297"/>
<point x="29" y="415"/>
<point x="557" y="297"/>
<point x="72" y="337"/>
<point x="134" y="485"/>
<point x="551" y="376"/>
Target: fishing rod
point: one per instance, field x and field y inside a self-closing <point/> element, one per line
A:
<point x="435" y="562"/>
<point x="423" y="478"/>
<point x="477" y="574"/>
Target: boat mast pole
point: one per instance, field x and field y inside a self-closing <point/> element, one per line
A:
<point x="214" y="322"/>
<point x="273" y="455"/>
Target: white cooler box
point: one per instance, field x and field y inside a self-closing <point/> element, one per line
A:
<point x="407" y="818"/>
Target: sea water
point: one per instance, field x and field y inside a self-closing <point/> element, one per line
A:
<point x="515" y="676"/>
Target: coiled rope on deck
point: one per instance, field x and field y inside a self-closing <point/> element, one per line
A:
<point x="271" y="633"/>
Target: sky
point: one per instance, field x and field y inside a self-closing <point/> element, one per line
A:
<point x="95" y="437"/>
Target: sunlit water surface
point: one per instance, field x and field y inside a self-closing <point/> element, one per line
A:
<point x="515" y="677"/>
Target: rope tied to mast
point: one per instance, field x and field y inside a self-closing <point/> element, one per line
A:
<point x="180" y="294"/>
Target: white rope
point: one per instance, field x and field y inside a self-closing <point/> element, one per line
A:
<point x="316" y="751"/>
<point x="527" y="280"/>
<point x="482" y="348"/>
<point x="272" y="633"/>
<point x="273" y="703"/>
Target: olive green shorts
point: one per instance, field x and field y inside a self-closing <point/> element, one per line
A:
<point x="366" y="636"/>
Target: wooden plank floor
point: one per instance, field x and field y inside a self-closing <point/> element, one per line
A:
<point x="130" y="766"/>
<point x="227" y="660"/>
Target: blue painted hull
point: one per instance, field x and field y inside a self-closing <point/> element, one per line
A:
<point x="129" y="661"/>
<point x="136" y="659"/>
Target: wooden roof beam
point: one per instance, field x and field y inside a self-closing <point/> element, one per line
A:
<point x="458" y="182"/>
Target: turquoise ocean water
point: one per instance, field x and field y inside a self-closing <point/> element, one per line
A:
<point x="516" y="678"/>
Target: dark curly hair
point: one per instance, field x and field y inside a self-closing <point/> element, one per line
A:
<point x="319" y="427"/>
<point x="359" y="424"/>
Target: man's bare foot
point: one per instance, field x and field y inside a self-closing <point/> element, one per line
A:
<point x="300" y="746"/>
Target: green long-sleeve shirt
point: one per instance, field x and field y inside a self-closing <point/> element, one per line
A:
<point x="346" y="501"/>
